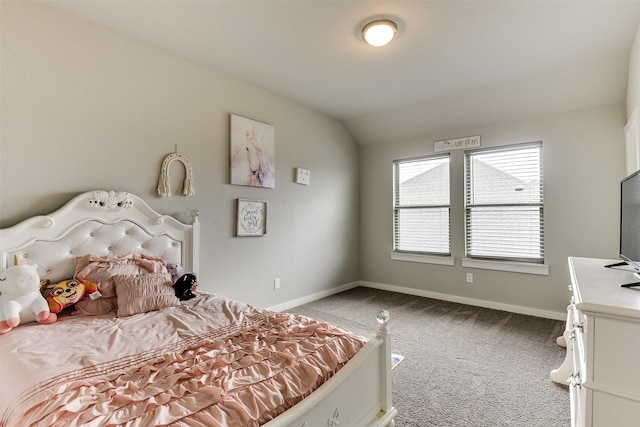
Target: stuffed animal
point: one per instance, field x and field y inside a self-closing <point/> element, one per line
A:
<point x="176" y="271"/>
<point x="69" y="292"/>
<point x="20" y="298"/>
<point x="185" y="286"/>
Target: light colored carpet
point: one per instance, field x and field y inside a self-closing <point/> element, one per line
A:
<point x="464" y="365"/>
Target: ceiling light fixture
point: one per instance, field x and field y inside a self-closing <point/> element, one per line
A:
<point x="379" y="32"/>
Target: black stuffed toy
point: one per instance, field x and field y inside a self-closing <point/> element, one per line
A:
<point x="184" y="287"/>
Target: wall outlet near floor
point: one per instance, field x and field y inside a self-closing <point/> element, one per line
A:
<point x="276" y="283"/>
<point x="469" y="277"/>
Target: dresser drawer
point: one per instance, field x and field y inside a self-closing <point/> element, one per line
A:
<point x="610" y="410"/>
<point x="616" y="353"/>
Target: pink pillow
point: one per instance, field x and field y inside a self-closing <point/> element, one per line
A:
<point x="143" y="293"/>
<point x="101" y="269"/>
<point x="89" y="307"/>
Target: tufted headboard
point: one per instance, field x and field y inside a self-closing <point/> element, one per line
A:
<point x="99" y="223"/>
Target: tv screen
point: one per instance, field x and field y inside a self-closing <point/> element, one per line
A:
<point x="630" y="220"/>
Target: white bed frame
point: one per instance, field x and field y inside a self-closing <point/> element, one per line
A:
<point x="119" y="223"/>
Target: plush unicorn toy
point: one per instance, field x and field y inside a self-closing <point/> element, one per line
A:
<point x="20" y="298"/>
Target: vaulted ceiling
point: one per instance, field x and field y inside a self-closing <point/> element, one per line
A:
<point x="454" y="64"/>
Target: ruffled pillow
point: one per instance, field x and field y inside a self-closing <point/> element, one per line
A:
<point x="102" y="270"/>
<point x="142" y="293"/>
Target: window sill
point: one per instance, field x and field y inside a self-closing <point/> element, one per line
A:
<point x="425" y="259"/>
<point x="517" y="267"/>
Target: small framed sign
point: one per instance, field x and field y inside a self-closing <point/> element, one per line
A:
<point x="303" y="176"/>
<point x="251" y="218"/>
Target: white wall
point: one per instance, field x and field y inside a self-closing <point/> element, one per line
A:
<point x="84" y="108"/>
<point x="633" y="87"/>
<point x="583" y="155"/>
<point x="632" y="141"/>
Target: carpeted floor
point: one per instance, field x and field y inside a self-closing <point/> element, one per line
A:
<point x="464" y="365"/>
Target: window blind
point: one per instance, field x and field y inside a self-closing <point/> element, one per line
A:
<point x="422" y="205"/>
<point x="504" y="203"/>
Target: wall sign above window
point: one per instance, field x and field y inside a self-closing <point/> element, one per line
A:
<point x="457" y="143"/>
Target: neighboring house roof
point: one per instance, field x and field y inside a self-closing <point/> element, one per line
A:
<point x="491" y="185"/>
<point x="423" y="187"/>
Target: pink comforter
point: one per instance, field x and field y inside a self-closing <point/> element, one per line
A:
<point x="210" y="362"/>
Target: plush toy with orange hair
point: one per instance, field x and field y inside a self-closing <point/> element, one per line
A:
<point x="69" y="292"/>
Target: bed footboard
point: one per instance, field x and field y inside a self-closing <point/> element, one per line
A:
<point x="358" y="395"/>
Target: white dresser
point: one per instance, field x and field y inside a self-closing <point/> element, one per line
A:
<point x="605" y="339"/>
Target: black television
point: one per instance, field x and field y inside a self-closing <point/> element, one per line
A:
<point x="630" y="223"/>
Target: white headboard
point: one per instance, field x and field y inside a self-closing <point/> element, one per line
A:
<point x="99" y="223"/>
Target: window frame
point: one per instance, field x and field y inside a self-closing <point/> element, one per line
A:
<point x="414" y="255"/>
<point x="519" y="263"/>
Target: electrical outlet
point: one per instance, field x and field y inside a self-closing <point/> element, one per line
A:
<point x="469" y="277"/>
<point x="276" y="283"/>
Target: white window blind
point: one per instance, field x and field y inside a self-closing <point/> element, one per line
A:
<point x="504" y="203"/>
<point x="422" y="205"/>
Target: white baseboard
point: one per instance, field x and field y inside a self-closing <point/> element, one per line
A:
<point x="310" y="298"/>
<point x="547" y="314"/>
<point x="421" y="293"/>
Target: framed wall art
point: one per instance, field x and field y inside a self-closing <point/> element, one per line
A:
<point x="303" y="176"/>
<point x="251" y="218"/>
<point x="252" y="152"/>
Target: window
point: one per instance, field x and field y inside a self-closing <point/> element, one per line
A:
<point x="504" y="203"/>
<point x="421" y="205"/>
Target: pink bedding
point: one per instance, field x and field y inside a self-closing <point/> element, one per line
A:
<point x="209" y="362"/>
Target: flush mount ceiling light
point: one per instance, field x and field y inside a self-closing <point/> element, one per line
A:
<point x="379" y="32"/>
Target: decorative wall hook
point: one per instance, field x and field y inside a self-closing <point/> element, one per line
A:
<point x="164" y="182"/>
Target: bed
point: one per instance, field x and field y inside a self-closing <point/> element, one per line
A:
<point x="148" y="359"/>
